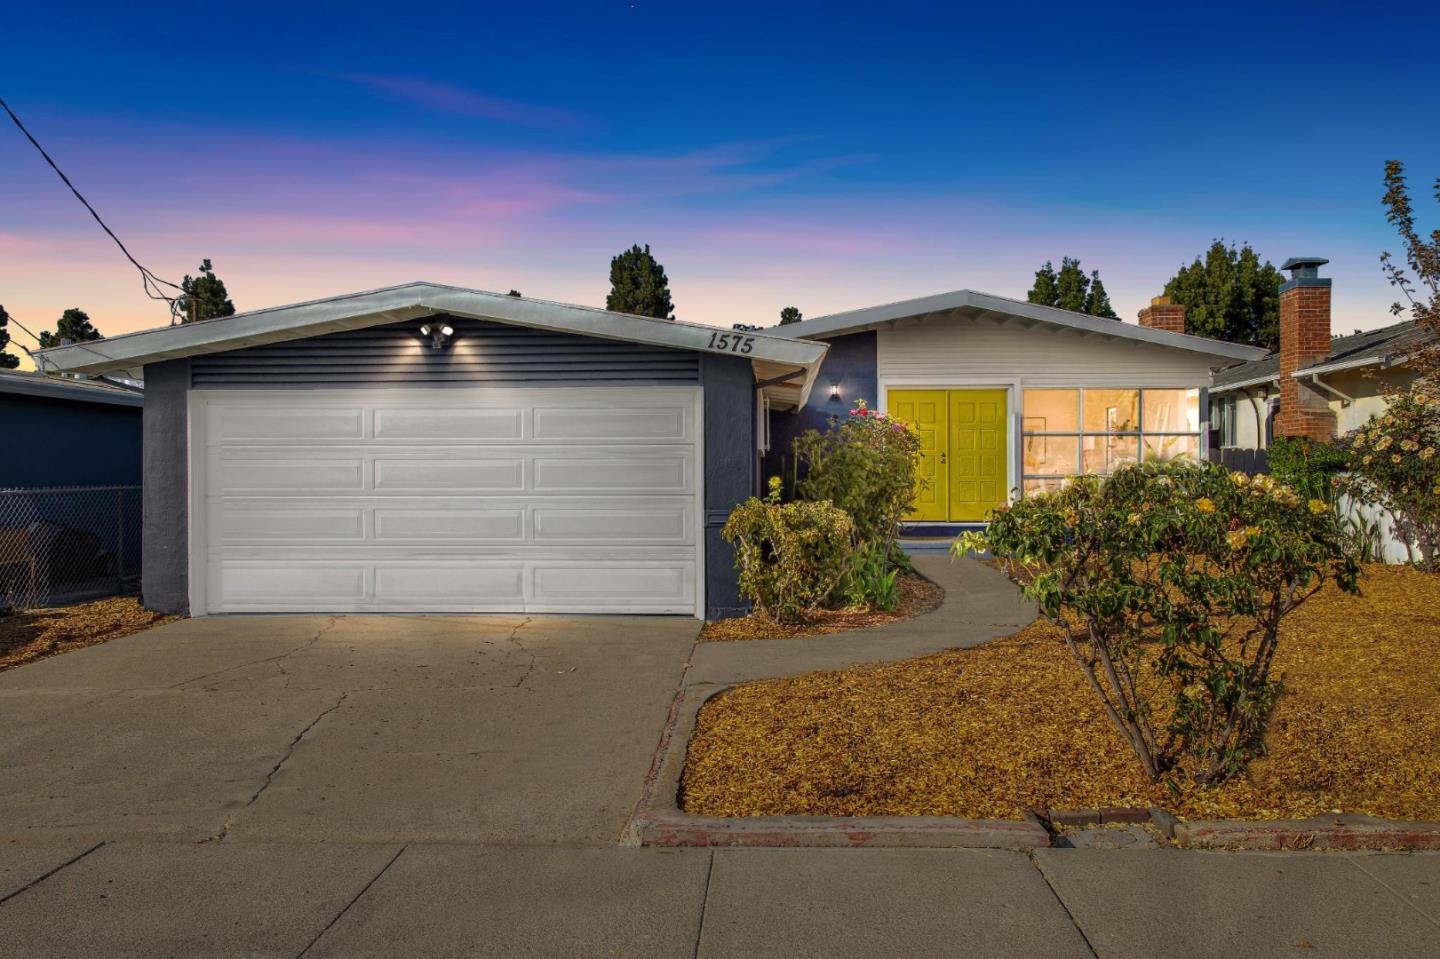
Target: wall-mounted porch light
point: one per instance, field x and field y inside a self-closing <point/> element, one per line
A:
<point x="834" y="389"/>
<point x="438" y="333"/>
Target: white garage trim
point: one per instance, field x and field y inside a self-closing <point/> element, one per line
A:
<point x="461" y="500"/>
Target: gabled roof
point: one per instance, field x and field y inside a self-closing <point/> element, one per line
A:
<point x="986" y="304"/>
<point x="1367" y="348"/>
<point x="772" y="356"/>
<point x="66" y="388"/>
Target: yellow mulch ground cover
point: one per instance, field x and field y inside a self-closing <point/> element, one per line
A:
<point x="917" y="595"/>
<point x="36" y="633"/>
<point x="992" y="731"/>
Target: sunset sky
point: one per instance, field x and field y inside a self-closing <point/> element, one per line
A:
<point x="829" y="156"/>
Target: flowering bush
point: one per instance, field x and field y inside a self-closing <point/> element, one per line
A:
<point x="1395" y="464"/>
<point x="866" y="465"/>
<point x="791" y="556"/>
<point x="1169" y="582"/>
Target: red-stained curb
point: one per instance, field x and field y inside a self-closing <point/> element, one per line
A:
<point x="1341" y="832"/>
<point x="659" y="821"/>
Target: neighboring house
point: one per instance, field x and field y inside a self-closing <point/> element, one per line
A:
<point x="1335" y="384"/>
<point x="60" y="431"/>
<point x="429" y="448"/>
<point x="1011" y="395"/>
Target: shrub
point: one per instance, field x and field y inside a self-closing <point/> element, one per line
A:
<point x="1395" y="464"/>
<point x="866" y="465"/>
<point x="871" y="580"/>
<point x="791" y="556"/>
<point x="1307" y="467"/>
<point x="1169" y="582"/>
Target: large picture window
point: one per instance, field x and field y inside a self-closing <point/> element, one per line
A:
<point x="1070" y="431"/>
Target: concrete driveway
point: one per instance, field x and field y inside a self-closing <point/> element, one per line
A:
<point x="361" y="728"/>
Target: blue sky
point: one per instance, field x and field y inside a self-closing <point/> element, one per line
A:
<point x="827" y="156"/>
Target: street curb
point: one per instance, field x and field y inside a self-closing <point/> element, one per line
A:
<point x="658" y="819"/>
<point x="1341" y="832"/>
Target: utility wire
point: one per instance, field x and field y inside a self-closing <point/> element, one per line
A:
<point x="152" y="283"/>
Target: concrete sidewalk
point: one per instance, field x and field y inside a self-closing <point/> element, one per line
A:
<point x="980" y="605"/>
<point x="348" y="899"/>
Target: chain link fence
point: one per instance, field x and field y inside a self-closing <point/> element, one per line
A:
<point x="64" y="544"/>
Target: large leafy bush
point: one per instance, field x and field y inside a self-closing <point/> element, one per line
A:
<point x="791" y="556"/>
<point x="1307" y="467"/>
<point x="1169" y="582"/>
<point x="866" y="465"/>
<point x="1395" y="464"/>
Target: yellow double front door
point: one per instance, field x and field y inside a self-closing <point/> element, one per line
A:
<point x="963" y="442"/>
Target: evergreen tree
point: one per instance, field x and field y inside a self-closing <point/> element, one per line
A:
<point x="1071" y="289"/>
<point x="514" y="293"/>
<point x="638" y="284"/>
<point x="1230" y="295"/>
<point x="74" y="325"/>
<point x="790" y="315"/>
<point x="204" y="297"/>
<point x="1097" y="301"/>
<point x="8" y="361"/>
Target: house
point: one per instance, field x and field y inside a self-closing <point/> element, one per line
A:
<point x="94" y="426"/>
<point x="1010" y="395"/>
<point x="430" y="448"/>
<point x="1316" y="385"/>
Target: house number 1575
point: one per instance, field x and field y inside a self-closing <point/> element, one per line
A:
<point x="732" y="342"/>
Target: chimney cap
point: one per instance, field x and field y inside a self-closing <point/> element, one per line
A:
<point x="1298" y="263"/>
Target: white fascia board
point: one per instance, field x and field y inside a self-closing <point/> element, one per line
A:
<point x="414" y="300"/>
<point x="854" y="320"/>
<point x="1322" y="368"/>
<point x="1257" y="381"/>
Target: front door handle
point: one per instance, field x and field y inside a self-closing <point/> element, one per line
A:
<point x="942" y="459"/>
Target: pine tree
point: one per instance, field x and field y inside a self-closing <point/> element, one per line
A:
<point x="1230" y="295"/>
<point x="204" y="296"/>
<point x="790" y="315"/>
<point x="74" y="325"/>
<point x="1071" y="289"/>
<point x="8" y="361"/>
<point x="514" y="293"/>
<point x="638" y="284"/>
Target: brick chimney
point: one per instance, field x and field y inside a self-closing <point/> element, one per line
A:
<point x="1304" y="341"/>
<point x="1161" y="314"/>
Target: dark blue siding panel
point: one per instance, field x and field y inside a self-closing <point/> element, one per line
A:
<point x="53" y="442"/>
<point x="729" y="471"/>
<point x="850" y="364"/>
<point x="480" y="354"/>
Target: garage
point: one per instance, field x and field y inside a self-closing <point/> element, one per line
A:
<point x="428" y="448"/>
<point x="469" y="501"/>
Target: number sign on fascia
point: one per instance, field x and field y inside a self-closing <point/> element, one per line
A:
<point x="731" y="342"/>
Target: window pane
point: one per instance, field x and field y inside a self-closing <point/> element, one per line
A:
<point x="1172" y="447"/>
<point x="1105" y="454"/>
<point x="1172" y="411"/>
<point x="1052" y="411"/>
<point x="1035" y="484"/>
<point x="1112" y="411"/>
<point x="1052" y="455"/>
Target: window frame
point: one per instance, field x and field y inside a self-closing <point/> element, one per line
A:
<point x="1140" y="434"/>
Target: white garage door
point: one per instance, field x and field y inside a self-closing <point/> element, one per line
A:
<point x="573" y="500"/>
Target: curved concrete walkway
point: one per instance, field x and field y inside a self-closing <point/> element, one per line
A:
<point x="980" y="605"/>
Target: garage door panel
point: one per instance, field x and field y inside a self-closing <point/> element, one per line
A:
<point x="251" y="473"/>
<point x="544" y="500"/>
<point x="450" y="585"/>
<point x="589" y="423"/>
<point x="422" y="474"/>
<point x="479" y="525"/>
<point x="449" y="425"/>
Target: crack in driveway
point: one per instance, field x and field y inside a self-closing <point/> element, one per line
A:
<point x="274" y="770"/>
<point x="514" y="638"/>
<point x="329" y="625"/>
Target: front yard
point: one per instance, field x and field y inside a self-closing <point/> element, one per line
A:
<point x="28" y="635"/>
<point x="993" y="731"/>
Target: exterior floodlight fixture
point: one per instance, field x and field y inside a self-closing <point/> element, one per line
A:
<point x="438" y="333"/>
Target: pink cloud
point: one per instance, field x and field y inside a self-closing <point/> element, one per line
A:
<point x="444" y="98"/>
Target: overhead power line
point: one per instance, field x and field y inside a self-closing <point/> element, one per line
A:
<point x="154" y="286"/>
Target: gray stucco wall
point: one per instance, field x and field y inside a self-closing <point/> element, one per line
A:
<point x="729" y="427"/>
<point x="851" y="365"/>
<point x="729" y="471"/>
<point x="165" y="554"/>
